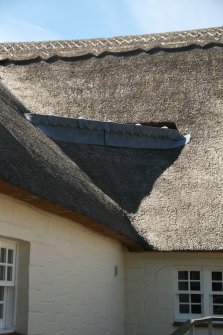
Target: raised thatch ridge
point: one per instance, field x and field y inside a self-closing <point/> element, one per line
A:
<point x="73" y="48"/>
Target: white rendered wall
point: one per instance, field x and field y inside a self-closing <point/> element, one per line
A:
<point x="72" y="284"/>
<point x="150" y="289"/>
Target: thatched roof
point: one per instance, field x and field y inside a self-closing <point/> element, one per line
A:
<point x="171" y="199"/>
<point x="31" y="161"/>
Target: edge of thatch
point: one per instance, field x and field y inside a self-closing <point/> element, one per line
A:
<point x="201" y="38"/>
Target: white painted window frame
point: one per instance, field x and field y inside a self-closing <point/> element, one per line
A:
<point x="205" y="291"/>
<point x="7" y="324"/>
<point x="181" y="316"/>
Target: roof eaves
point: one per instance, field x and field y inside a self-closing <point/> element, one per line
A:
<point x="40" y="203"/>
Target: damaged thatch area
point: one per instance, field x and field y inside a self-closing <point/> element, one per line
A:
<point x="171" y="199"/>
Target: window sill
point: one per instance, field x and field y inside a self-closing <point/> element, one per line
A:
<point x="204" y="325"/>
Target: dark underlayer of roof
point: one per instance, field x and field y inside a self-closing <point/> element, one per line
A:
<point x="171" y="199"/>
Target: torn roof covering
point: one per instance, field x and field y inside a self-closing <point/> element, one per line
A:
<point x="108" y="133"/>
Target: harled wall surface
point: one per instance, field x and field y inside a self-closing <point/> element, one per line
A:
<point x="73" y="288"/>
<point x="150" y="289"/>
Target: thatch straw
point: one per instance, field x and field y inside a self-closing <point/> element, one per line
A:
<point x="172" y="199"/>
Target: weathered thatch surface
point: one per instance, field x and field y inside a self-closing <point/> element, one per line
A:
<point x="31" y="161"/>
<point x="173" y="198"/>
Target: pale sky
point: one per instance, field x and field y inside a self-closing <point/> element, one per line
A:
<point x="33" y="20"/>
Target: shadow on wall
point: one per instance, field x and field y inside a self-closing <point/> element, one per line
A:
<point x="125" y="175"/>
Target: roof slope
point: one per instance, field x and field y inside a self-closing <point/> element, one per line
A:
<point x="30" y="160"/>
<point x="171" y="198"/>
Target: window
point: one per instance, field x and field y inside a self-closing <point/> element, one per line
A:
<point x="189" y="294"/>
<point x="217" y="292"/>
<point x="199" y="292"/>
<point x="7" y="284"/>
<point x="189" y="287"/>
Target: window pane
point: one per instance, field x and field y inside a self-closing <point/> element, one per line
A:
<point x="10" y="256"/>
<point x="1" y="311"/>
<point x="2" y="255"/>
<point x="184" y="297"/>
<point x="218" y="309"/>
<point x="2" y="272"/>
<point x="1" y="293"/>
<point x="184" y="308"/>
<point x="216" y="286"/>
<point x="196" y="298"/>
<point x="183" y="286"/>
<point x="195" y="286"/>
<point x="196" y="309"/>
<point x="194" y="275"/>
<point x="9" y="273"/>
<point x="218" y="299"/>
<point x="182" y="275"/>
<point x="217" y="276"/>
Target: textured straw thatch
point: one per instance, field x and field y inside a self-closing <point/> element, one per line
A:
<point x="171" y="198"/>
<point x="33" y="162"/>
